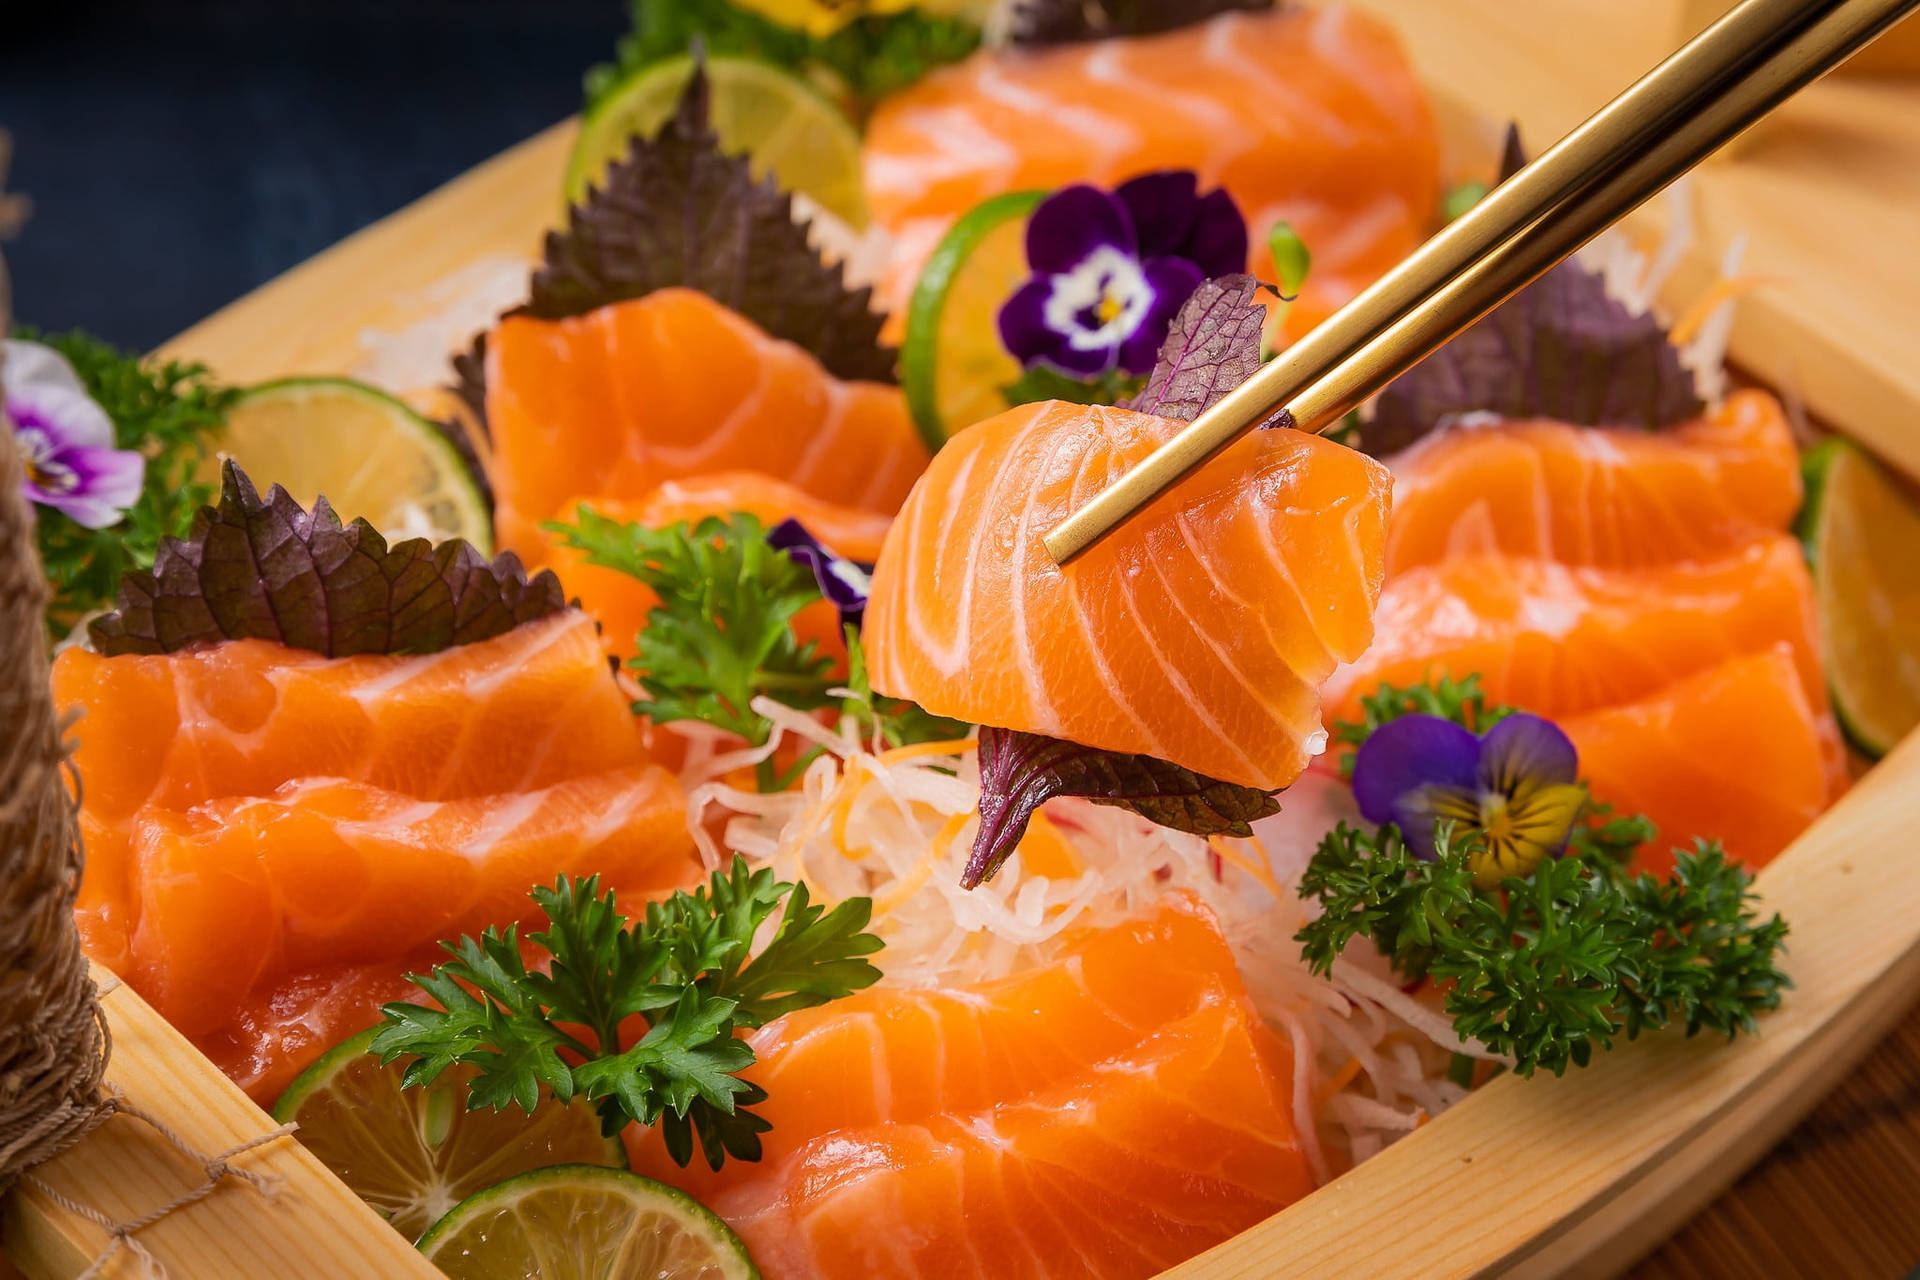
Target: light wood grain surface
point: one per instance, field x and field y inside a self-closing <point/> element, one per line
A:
<point x="1577" y="1176"/>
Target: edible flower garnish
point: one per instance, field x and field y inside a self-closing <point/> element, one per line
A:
<point x="688" y="971"/>
<point x="1111" y="270"/>
<point x="1557" y="958"/>
<point x="1514" y="787"/>
<point x="66" y="439"/>
<point x="144" y="470"/>
<point x="840" y="580"/>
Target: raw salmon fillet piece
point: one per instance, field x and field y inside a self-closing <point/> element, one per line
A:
<point x="1314" y="116"/>
<point x="1199" y="632"/>
<point x="866" y="1059"/>
<point x="1558" y="640"/>
<point x="1122" y="1170"/>
<point x="519" y="712"/>
<point x="1107" y="1114"/>
<point x="673" y="385"/>
<point x="621" y="602"/>
<point x="1616" y="498"/>
<point x="235" y="894"/>
<point x="1736" y="752"/>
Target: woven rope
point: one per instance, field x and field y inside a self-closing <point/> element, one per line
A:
<point x="53" y="1037"/>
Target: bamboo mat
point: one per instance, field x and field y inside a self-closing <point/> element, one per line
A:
<point x="1838" y="1198"/>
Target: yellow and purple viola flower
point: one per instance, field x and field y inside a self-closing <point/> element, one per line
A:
<point x="66" y="439"/>
<point x="1514" y="786"/>
<point x="1111" y="269"/>
<point x="842" y="581"/>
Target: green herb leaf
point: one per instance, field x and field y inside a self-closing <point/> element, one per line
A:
<point x="167" y="410"/>
<point x="895" y="721"/>
<point x="722" y="633"/>
<point x="266" y="569"/>
<point x="677" y="212"/>
<point x="1043" y="382"/>
<point x="1019" y="772"/>
<point x="687" y="970"/>
<point x="871" y="56"/>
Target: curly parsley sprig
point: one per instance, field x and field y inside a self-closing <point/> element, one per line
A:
<point x="1460" y="701"/>
<point x="169" y="411"/>
<point x="688" y="970"/>
<point x="1554" y="965"/>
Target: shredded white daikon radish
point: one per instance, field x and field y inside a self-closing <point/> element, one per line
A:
<point x="1370" y="1061"/>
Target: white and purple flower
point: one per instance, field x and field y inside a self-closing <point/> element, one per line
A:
<point x="1111" y="269"/>
<point x="1515" y="786"/>
<point x="841" y="580"/>
<point x="66" y="439"/>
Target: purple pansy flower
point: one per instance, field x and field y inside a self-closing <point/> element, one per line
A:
<point x="1516" y="784"/>
<point x="66" y="439"/>
<point x="841" y="580"/>
<point x="1110" y="270"/>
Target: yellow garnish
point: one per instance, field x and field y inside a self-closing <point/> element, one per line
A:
<point x="1696" y="315"/>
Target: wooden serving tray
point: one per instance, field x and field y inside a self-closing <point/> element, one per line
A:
<point x="1577" y="1176"/>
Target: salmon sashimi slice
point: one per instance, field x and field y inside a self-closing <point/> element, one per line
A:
<point x="1735" y="753"/>
<point x="1557" y="640"/>
<point x="518" y="712"/>
<point x="280" y="1030"/>
<point x="1617" y="498"/>
<point x="1199" y="632"/>
<point x="1313" y="116"/>
<point x="236" y="893"/>
<point x="1130" y="1166"/>
<point x="672" y="385"/>
<point x="891" y="1056"/>
<point x="621" y="602"/>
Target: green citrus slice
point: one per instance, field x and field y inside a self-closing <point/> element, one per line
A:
<point x="952" y="365"/>
<point x="784" y="125"/>
<point x="1862" y="534"/>
<point x="368" y="453"/>
<point x="413" y="1154"/>
<point x="578" y="1222"/>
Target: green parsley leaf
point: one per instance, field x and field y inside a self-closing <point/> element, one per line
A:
<point x="167" y="410"/>
<point x="869" y="57"/>
<point x="687" y="970"/>
<point x="722" y="633"/>
<point x="1552" y="966"/>
<point x="1460" y="701"/>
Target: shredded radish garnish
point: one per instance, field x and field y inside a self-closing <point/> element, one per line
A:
<point x="1370" y="1062"/>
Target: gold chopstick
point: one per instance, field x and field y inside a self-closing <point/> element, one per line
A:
<point x="1729" y="76"/>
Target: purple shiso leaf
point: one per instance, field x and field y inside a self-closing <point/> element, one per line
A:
<point x="1525" y="749"/>
<point x="1562" y="348"/>
<point x="254" y="568"/>
<point x="1019" y="772"/>
<point x="842" y="581"/>
<point x="1410" y="752"/>
<point x="1036" y="23"/>
<point x="1212" y="347"/>
<point x="676" y="211"/>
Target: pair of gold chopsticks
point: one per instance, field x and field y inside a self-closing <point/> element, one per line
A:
<point x="1725" y="79"/>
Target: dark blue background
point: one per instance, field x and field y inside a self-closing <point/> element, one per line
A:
<point x="180" y="152"/>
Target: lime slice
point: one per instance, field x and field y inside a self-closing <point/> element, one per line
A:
<point x="952" y="365"/>
<point x="784" y="125"/>
<point x="413" y="1154"/>
<point x="578" y="1222"/>
<point x="367" y="452"/>
<point x="1863" y="536"/>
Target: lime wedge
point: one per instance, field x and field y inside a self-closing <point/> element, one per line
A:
<point x="1862" y="534"/>
<point x="952" y="365"/>
<point x="784" y="125"/>
<point x="579" y="1222"/>
<point x="367" y="452"/>
<point x="413" y="1154"/>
